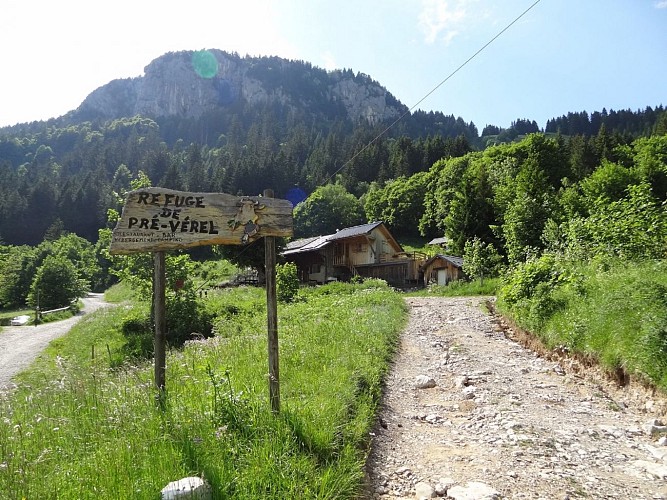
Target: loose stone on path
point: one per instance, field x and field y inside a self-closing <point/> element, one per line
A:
<point x="424" y="382"/>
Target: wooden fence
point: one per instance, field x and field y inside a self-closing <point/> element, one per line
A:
<point x="42" y="313"/>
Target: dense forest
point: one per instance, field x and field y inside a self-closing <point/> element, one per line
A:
<point x="65" y="178"/>
<point x="57" y="177"/>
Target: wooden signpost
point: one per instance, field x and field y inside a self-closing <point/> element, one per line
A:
<point x="158" y="219"/>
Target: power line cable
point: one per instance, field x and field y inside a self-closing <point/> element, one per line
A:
<point x="433" y="90"/>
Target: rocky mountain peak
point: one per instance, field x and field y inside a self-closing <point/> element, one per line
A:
<point x="188" y="84"/>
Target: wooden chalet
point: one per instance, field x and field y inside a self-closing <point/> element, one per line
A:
<point x="442" y="269"/>
<point x="368" y="250"/>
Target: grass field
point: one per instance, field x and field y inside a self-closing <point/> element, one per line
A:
<point x="78" y="429"/>
<point x="614" y="313"/>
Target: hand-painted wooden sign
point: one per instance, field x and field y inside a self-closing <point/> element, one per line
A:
<point x="157" y="219"/>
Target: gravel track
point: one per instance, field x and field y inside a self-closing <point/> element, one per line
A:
<point x="20" y="345"/>
<point x="503" y="422"/>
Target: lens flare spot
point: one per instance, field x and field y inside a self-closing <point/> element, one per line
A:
<point x="205" y="64"/>
<point x="296" y="195"/>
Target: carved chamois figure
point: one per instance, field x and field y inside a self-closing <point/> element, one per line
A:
<point x="247" y="217"/>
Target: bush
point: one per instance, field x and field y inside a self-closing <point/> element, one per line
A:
<point x="287" y="282"/>
<point x="529" y="292"/>
<point x="186" y="317"/>
<point x="524" y="280"/>
<point x="138" y="332"/>
<point x="480" y="259"/>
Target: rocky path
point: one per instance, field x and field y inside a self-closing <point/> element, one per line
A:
<point x="470" y="414"/>
<point x="20" y="345"/>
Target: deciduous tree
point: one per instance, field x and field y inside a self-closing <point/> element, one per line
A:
<point x="480" y="260"/>
<point x="328" y="208"/>
<point x="56" y="284"/>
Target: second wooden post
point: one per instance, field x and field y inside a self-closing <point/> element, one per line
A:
<point x="272" y="316"/>
<point x="160" y="318"/>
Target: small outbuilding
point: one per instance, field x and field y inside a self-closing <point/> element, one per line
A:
<point x="442" y="242"/>
<point x="442" y="269"/>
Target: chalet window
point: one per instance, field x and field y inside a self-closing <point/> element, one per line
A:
<point x="358" y="247"/>
<point x="314" y="268"/>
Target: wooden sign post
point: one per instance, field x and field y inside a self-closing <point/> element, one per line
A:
<point x="272" y="317"/>
<point x="159" y="311"/>
<point x="158" y="219"/>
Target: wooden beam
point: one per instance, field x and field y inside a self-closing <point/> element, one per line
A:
<point x="272" y="317"/>
<point x="159" y="313"/>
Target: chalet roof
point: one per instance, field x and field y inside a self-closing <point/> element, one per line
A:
<point x="439" y="241"/>
<point x="307" y="245"/>
<point x="292" y="245"/>
<point x="350" y="232"/>
<point x="317" y="242"/>
<point x="455" y="261"/>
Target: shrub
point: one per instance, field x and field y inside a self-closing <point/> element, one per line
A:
<point x="186" y="316"/>
<point x="529" y="292"/>
<point x="287" y="282"/>
<point x="480" y="259"/>
<point x="356" y="279"/>
<point x="138" y="332"/>
<point x="526" y="277"/>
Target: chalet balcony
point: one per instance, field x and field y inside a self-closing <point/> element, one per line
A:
<point x="341" y="260"/>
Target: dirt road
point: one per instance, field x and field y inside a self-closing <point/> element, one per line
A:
<point x="494" y="420"/>
<point x="20" y="345"/>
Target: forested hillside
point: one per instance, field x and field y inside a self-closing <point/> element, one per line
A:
<point x="64" y="174"/>
<point x="65" y="178"/>
<point x="597" y="188"/>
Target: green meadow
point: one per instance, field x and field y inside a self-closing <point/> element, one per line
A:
<point x="85" y="424"/>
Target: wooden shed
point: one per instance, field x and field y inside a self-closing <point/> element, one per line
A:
<point x="442" y="269"/>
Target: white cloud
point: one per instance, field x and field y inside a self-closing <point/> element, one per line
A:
<point x="442" y="19"/>
<point x="661" y="4"/>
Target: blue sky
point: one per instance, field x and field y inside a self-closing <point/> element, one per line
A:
<point x="563" y="55"/>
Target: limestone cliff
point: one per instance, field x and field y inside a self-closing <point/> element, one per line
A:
<point x="189" y="84"/>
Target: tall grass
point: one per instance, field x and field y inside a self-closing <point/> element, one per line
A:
<point x="78" y="429"/>
<point x="614" y="312"/>
<point x="120" y="292"/>
<point x="460" y="288"/>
